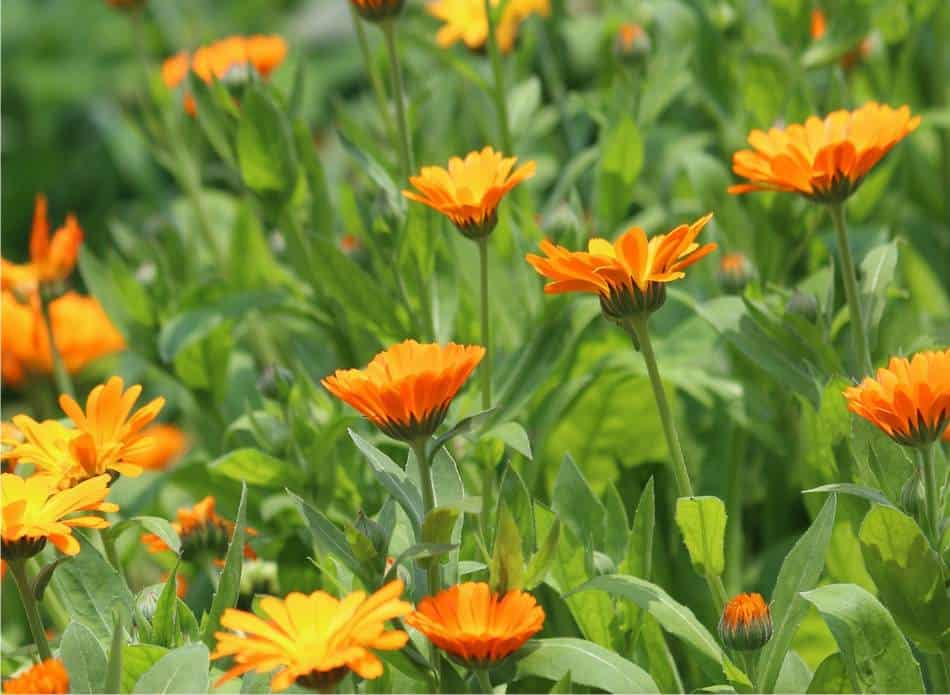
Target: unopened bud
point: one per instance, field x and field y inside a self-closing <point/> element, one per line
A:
<point x="377" y="10"/>
<point x="803" y="304"/>
<point x="275" y="382"/>
<point x="735" y="272"/>
<point x="746" y="623"/>
<point x="146" y="601"/>
<point x="632" y="44"/>
<point x="913" y="495"/>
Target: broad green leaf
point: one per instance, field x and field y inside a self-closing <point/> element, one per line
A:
<point x="153" y="524"/>
<point x="114" y="665"/>
<point x="639" y="558"/>
<point x="90" y="588"/>
<point x="321" y="208"/>
<point x="327" y="537"/>
<point x="213" y="120"/>
<point x="800" y="572"/>
<point x="877" y="657"/>
<point x="392" y="477"/>
<point x="616" y="526"/>
<point x="513" y="435"/>
<point x="254" y="467"/>
<point x="136" y="660"/>
<point x="589" y="664"/>
<point x="394" y="199"/>
<point x="576" y="504"/>
<point x="265" y="145"/>
<point x="702" y="521"/>
<point x="831" y="676"/>
<point x="877" y="275"/>
<point x="463" y="426"/>
<point x="540" y="563"/>
<point x="621" y="160"/>
<point x="165" y="627"/>
<point x="794" y="676"/>
<point x="229" y="584"/>
<point x="84" y="659"/>
<point x="183" y="670"/>
<point x="422" y="551"/>
<point x="507" y="569"/>
<point x="674" y="617"/>
<point x="908" y="576"/>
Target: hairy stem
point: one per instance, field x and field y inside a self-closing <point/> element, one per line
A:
<point x="862" y="352"/>
<point x="486" y="324"/>
<point x="30" y="607"/>
<point x="406" y="165"/>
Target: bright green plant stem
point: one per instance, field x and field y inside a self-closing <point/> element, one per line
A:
<point x="428" y="504"/>
<point x="64" y="383"/>
<point x="30" y="607"/>
<point x="734" y="495"/>
<point x="486" y="324"/>
<point x="395" y="76"/>
<point x="862" y="352"/>
<point x="498" y="73"/>
<point x="931" y="494"/>
<point x="483" y="681"/>
<point x="375" y="81"/>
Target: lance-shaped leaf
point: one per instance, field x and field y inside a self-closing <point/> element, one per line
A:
<point x="702" y="521"/>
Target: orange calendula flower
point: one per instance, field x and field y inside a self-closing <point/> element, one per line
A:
<point x="629" y="275"/>
<point x="475" y="624"/>
<point x="226" y="60"/>
<point x="377" y="10"/>
<point x="632" y="42"/>
<point x="735" y="272"/>
<point x="82" y="330"/>
<point x="406" y="390"/>
<point x="469" y="192"/>
<point x="52" y="259"/>
<point x="465" y="20"/>
<point x="909" y="401"/>
<point x="819" y="24"/>
<point x="34" y="511"/>
<point x="314" y="640"/>
<point x="825" y="159"/>
<point x="201" y="531"/>
<point x="167" y="444"/>
<point x="48" y="676"/>
<point x="746" y="622"/>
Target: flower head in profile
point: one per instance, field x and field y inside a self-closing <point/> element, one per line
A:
<point x="167" y="445"/>
<point x="313" y="640"/>
<point x="406" y="390"/>
<point x="35" y="512"/>
<point x="82" y="330"/>
<point x="465" y="20"/>
<point x="202" y="532"/>
<point x="52" y="258"/>
<point x="746" y="622"/>
<point x="377" y="10"/>
<point x="909" y="400"/>
<point x="476" y="625"/>
<point x="48" y="676"/>
<point x="629" y="275"/>
<point x="823" y="159"/>
<point x="470" y="190"/>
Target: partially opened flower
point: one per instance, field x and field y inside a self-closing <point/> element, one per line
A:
<point x="48" y="676"/>
<point x="746" y="623"/>
<point x="407" y="389"/>
<point x="630" y="275"/>
<point x="378" y="10"/>
<point x="313" y="640"/>
<point x="823" y="159"/>
<point x="465" y="20"/>
<point x="35" y="512"/>
<point x="470" y="190"/>
<point x="476" y="625"/>
<point x="909" y="400"/>
<point x="52" y="259"/>
<point x="202" y="532"/>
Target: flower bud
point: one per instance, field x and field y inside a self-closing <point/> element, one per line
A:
<point x="735" y="272"/>
<point x="258" y="577"/>
<point x="632" y="44"/>
<point x="275" y="382"/>
<point x="146" y="601"/>
<point x="375" y="542"/>
<point x="377" y="10"/>
<point x="746" y="623"/>
<point x="803" y="304"/>
<point x="913" y="495"/>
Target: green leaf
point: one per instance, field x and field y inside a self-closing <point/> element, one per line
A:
<point x="621" y="160"/>
<point x="254" y="467"/>
<point x="831" y="676"/>
<point x="800" y="572"/>
<point x="588" y="663"/>
<point x="84" y="659"/>
<point x="183" y="670"/>
<point x="321" y="207"/>
<point x="463" y="426"/>
<point x="563" y="685"/>
<point x="877" y="275"/>
<point x="438" y="525"/>
<point x="877" y="657"/>
<point x="507" y="570"/>
<point x="540" y="563"/>
<point x="212" y="118"/>
<point x="794" y="676"/>
<point x="513" y="435"/>
<point x="265" y="146"/>
<point x="327" y="537"/>
<point x="136" y="660"/>
<point x="229" y="584"/>
<point x="639" y="558"/>
<point x="153" y="524"/>
<point x="45" y="574"/>
<point x="393" y="478"/>
<point x="674" y="617"/>
<point x="90" y="588"/>
<point x="702" y="521"/>
<point x="393" y="197"/>
<point x="114" y="667"/>
<point x="867" y="493"/>
<point x="165" y="628"/>
<point x="420" y="551"/>
<point x="908" y="576"/>
<point x="616" y="526"/>
<point x="576" y="504"/>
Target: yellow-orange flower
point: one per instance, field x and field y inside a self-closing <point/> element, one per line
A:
<point x="465" y="20"/>
<point x="824" y="159"/>
<point x="477" y="625"/>
<point x="52" y="259"/>
<point x="375" y="10"/>
<point x="82" y="330"/>
<point x="313" y="640"/>
<point x="470" y="190"/>
<point x="201" y="531"/>
<point x="819" y="24"/>
<point x="225" y="59"/>
<point x="48" y="677"/>
<point x="909" y="401"/>
<point x="168" y="444"/>
<point x="746" y="622"/>
<point x="629" y="275"/>
<point x="407" y="389"/>
<point x="34" y="511"/>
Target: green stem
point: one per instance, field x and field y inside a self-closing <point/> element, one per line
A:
<point x="379" y="91"/>
<point x="484" y="682"/>
<point x="486" y="324"/>
<point x="60" y="374"/>
<point x="395" y="75"/>
<point x="938" y="672"/>
<point x="30" y="607"/>
<point x="498" y="72"/>
<point x="428" y="504"/>
<point x="735" y="462"/>
<point x="862" y="353"/>
<point x="932" y="495"/>
<point x="638" y="328"/>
